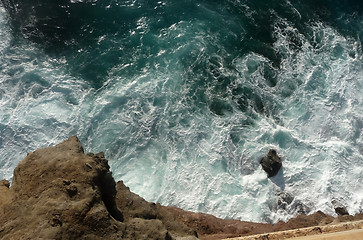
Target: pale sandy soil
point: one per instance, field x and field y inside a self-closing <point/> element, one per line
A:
<point x="342" y="231"/>
<point x="356" y="234"/>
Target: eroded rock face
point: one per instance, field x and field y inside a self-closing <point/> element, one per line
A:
<point x="4" y="192"/>
<point x="271" y="163"/>
<point x="61" y="193"/>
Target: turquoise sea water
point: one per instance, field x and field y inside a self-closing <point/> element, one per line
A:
<point x="185" y="97"/>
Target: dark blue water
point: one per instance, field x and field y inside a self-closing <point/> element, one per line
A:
<point x="185" y="97"/>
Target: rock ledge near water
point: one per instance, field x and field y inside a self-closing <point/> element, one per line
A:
<point x="61" y="193"/>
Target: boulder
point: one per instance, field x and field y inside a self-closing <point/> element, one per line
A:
<point x="339" y="208"/>
<point x="61" y="193"/>
<point x="271" y="163"/>
<point x="341" y="211"/>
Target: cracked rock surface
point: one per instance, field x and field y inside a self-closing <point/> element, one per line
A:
<point x="61" y="193"/>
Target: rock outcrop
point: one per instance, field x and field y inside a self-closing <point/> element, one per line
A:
<point x="212" y="228"/>
<point x="271" y="163"/>
<point x="4" y="192"/>
<point x="61" y="193"/>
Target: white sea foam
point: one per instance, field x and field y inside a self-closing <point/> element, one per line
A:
<point x="165" y="143"/>
<point x="5" y="35"/>
<point x="320" y="124"/>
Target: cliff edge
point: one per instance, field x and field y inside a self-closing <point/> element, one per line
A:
<point x="61" y="193"/>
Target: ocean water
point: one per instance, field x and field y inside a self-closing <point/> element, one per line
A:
<point x="185" y="97"/>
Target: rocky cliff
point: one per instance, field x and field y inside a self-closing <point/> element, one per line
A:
<point x="61" y="193"/>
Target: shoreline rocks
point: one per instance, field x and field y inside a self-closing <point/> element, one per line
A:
<point x="339" y="208"/>
<point x="271" y="163"/>
<point x="61" y="193"/>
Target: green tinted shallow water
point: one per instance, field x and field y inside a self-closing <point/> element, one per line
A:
<point x="185" y="98"/>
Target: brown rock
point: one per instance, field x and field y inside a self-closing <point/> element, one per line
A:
<point x="210" y="227"/>
<point x="4" y="192"/>
<point x="135" y="207"/>
<point x="61" y="193"/>
<point x="302" y="221"/>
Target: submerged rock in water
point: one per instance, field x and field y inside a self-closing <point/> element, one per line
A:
<point x="284" y="200"/>
<point x="288" y="203"/>
<point x="271" y="163"/>
<point x="339" y="208"/>
<point x="341" y="211"/>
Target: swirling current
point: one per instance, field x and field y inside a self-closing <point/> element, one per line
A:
<point x="185" y="97"/>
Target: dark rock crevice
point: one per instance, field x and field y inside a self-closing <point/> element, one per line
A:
<point x="107" y="186"/>
<point x="108" y="193"/>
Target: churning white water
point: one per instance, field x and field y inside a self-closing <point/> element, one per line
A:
<point x="177" y="132"/>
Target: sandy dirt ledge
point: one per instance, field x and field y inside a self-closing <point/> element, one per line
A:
<point x="347" y="230"/>
<point x="60" y="192"/>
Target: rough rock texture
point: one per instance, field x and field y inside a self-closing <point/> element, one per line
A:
<point x="135" y="207"/>
<point x="271" y="163"/>
<point x="339" y="208"/>
<point x="212" y="228"/>
<point x="4" y="192"/>
<point x="61" y="193"/>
